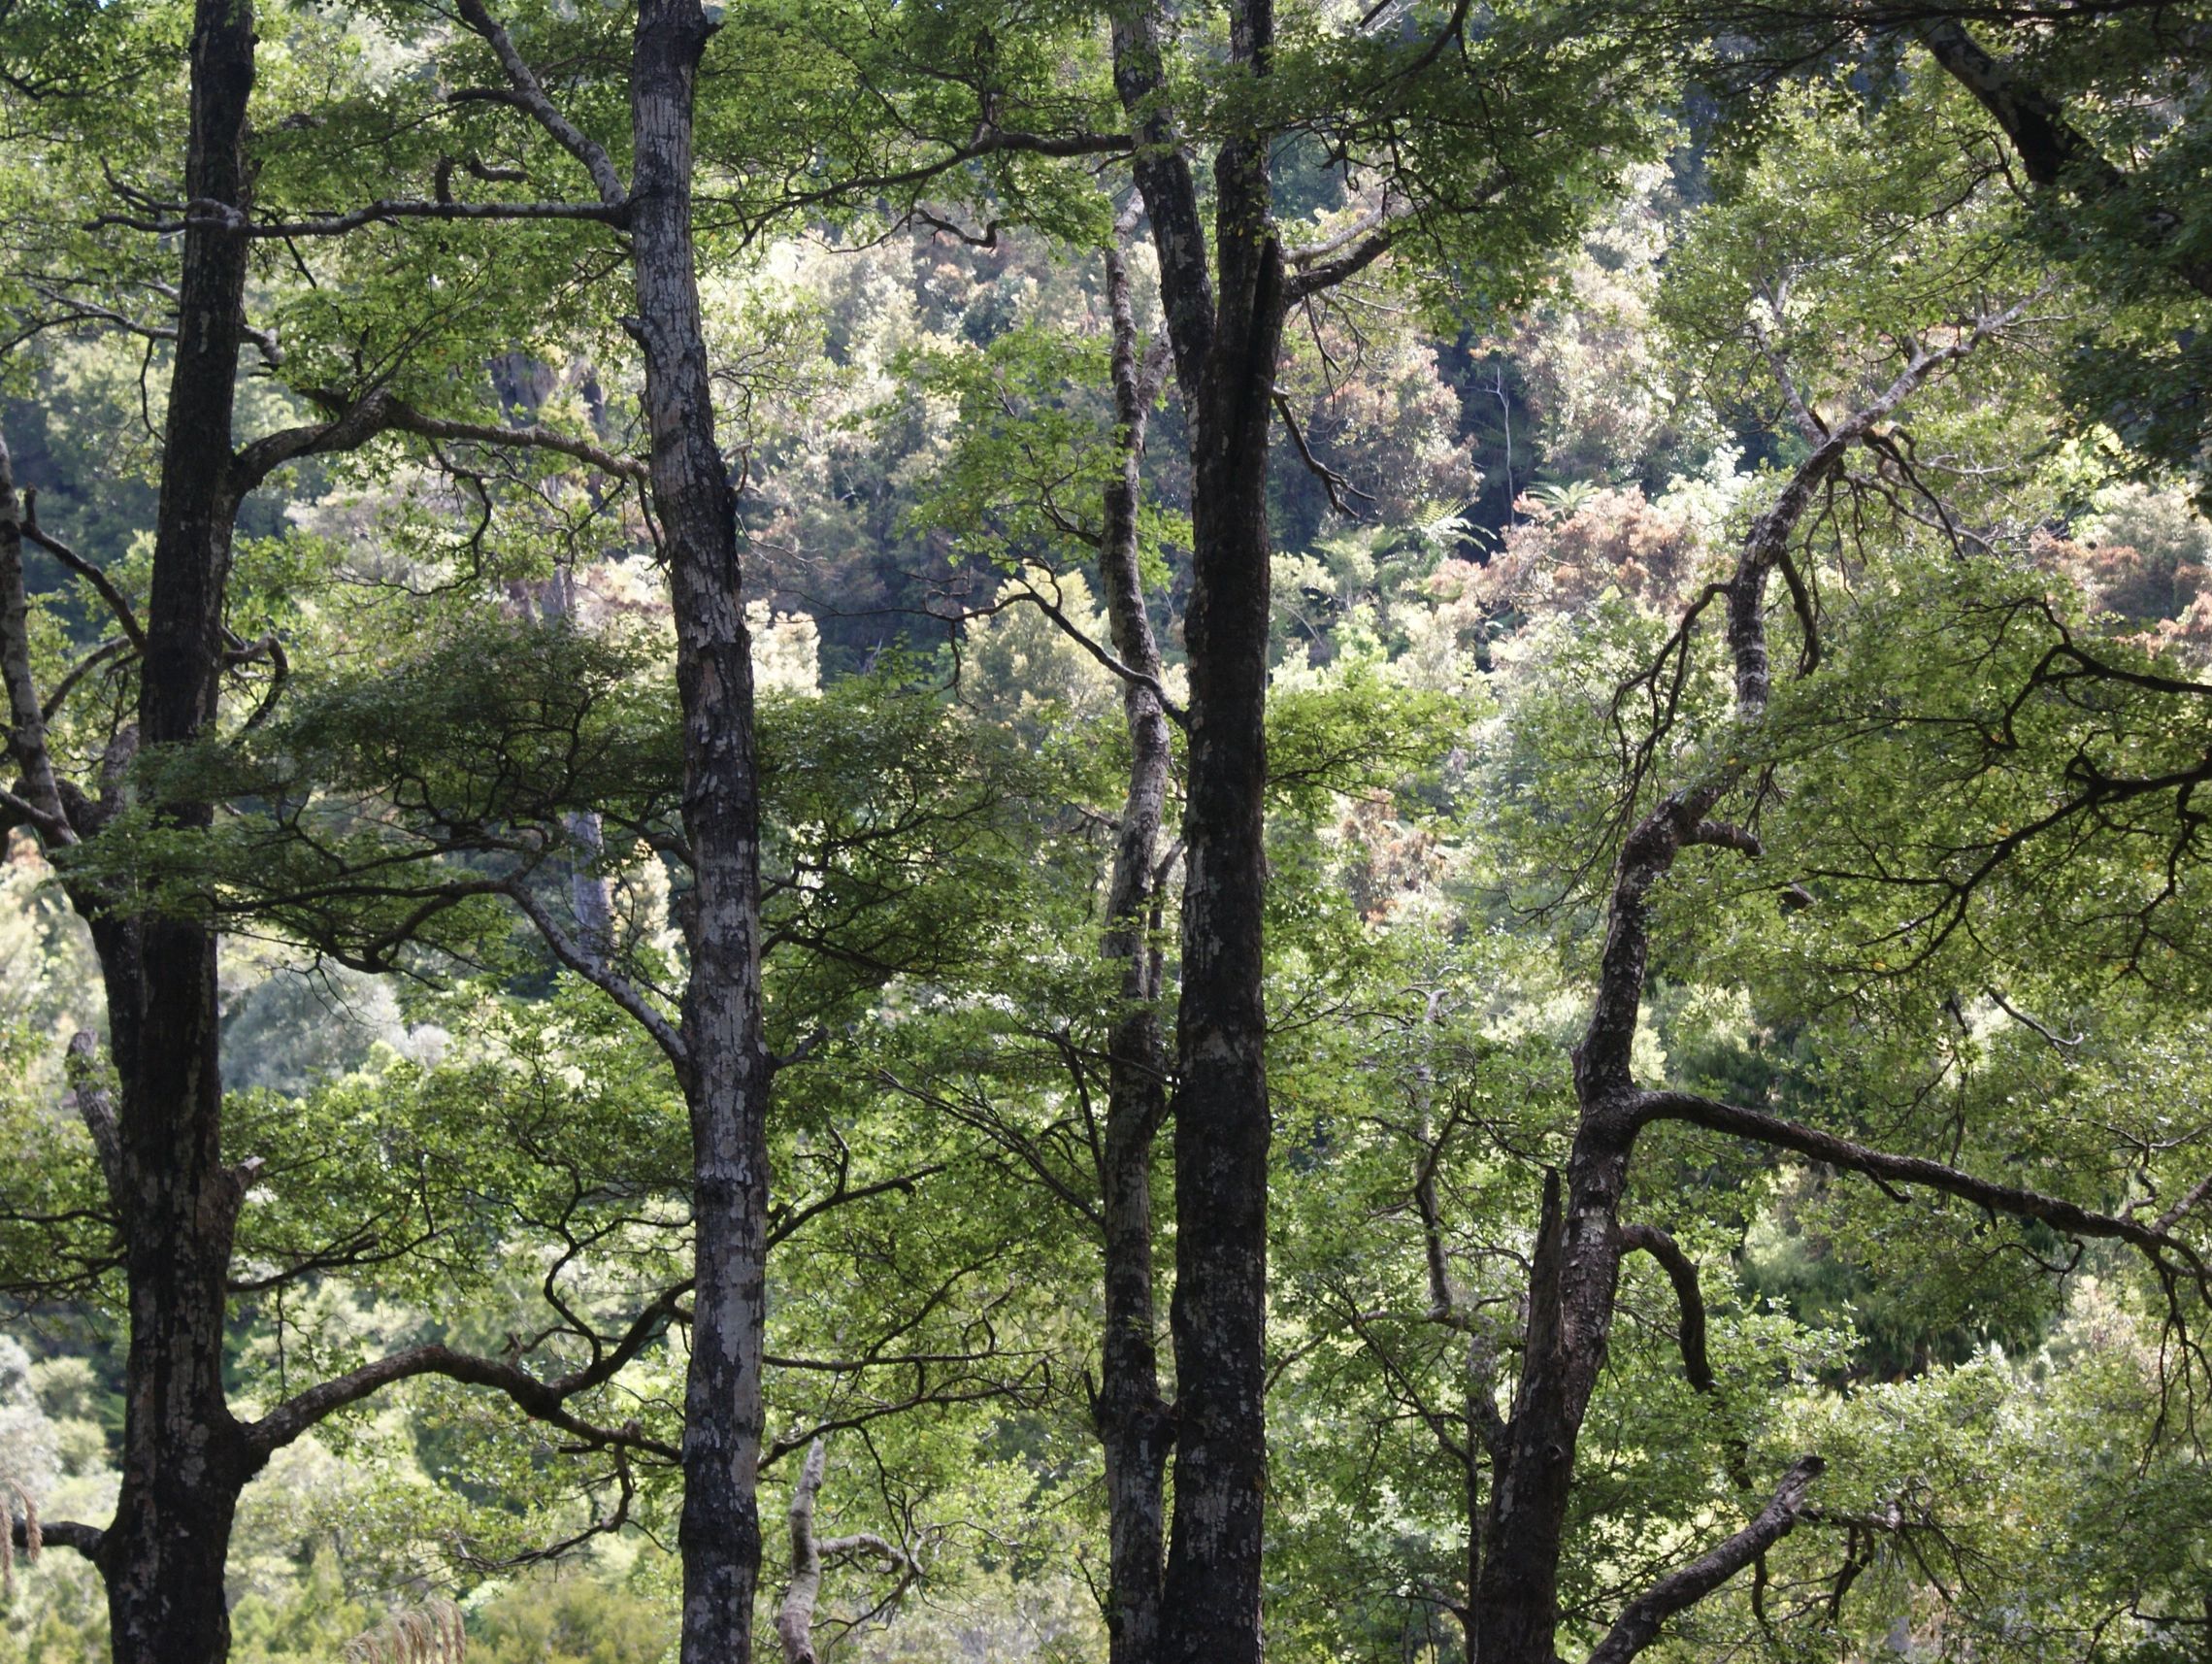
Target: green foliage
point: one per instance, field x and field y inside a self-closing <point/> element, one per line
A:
<point x="1973" y="930"/>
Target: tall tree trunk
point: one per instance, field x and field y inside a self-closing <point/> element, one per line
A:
<point x="183" y="1459"/>
<point x="1222" y="1129"/>
<point x="1225" y="346"/>
<point x="1133" y="1420"/>
<point x="729" y="1073"/>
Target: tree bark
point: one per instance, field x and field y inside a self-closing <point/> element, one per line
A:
<point x="184" y="1459"/>
<point x="1575" y="1270"/>
<point x="1225" y="348"/>
<point x="1133" y="1420"/>
<point x="1225" y="344"/>
<point x="811" y="1555"/>
<point x="727" y="1080"/>
<point x="795" y="1617"/>
<point x="2055" y="154"/>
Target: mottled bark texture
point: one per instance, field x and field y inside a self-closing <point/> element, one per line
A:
<point x="795" y="1617"/>
<point x="1225" y="336"/>
<point x="1133" y="1420"/>
<point x="185" y="1458"/>
<point x="728" y="1069"/>
<point x="812" y="1555"/>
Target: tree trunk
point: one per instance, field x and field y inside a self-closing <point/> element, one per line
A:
<point x="729" y="1066"/>
<point x="1225" y="349"/>
<point x="1133" y="1420"/>
<point x="795" y="1617"/>
<point x="1222" y="1129"/>
<point x="1574" y="1272"/>
<point x="183" y="1459"/>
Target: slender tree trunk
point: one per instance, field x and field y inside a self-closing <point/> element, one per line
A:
<point x="795" y="1617"/>
<point x="1133" y="1420"/>
<point x="1575" y="1271"/>
<point x="184" y="1459"/>
<point x="730" y="1068"/>
<point x="1222" y="1128"/>
<point x="1225" y="343"/>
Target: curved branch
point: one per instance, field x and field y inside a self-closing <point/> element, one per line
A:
<point x="795" y="1617"/>
<point x="989" y="142"/>
<point x="1885" y="1166"/>
<point x="117" y="604"/>
<point x="1078" y="635"/>
<point x="544" y="1400"/>
<point x="530" y="97"/>
<point x="379" y="413"/>
<point x="1681" y="1270"/>
<point x="382" y="212"/>
<point x="25" y="734"/>
<point x="616" y="986"/>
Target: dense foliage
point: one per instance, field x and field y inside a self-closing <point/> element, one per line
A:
<point x="1881" y="327"/>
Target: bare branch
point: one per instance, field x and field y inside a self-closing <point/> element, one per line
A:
<point x="541" y="1400"/>
<point x="362" y="419"/>
<point x="1076" y="633"/>
<point x="117" y="604"/>
<point x="1883" y="1165"/>
<point x="1638" y="1626"/>
<point x="530" y="97"/>
<point x="67" y="1534"/>
<point x="96" y="1107"/>
<point x="1681" y="1270"/>
<point x="987" y="142"/>
<point x="26" y="745"/>
<point x="372" y="214"/>
<point x="616" y="986"/>
<point x="1335" y="484"/>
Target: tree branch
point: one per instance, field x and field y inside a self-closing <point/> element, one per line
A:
<point x="117" y="603"/>
<point x="544" y="1400"/>
<point x="1681" y="1270"/>
<point x="67" y="1534"/>
<point x="1638" y="1626"/>
<point x="989" y="142"/>
<point x="1075" y="632"/>
<point x="1883" y="1165"/>
<point x="374" y="213"/>
<point x="616" y="986"/>
<point x="2053" y="151"/>
<point x="1327" y="274"/>
<point x="1332" y="482"/>
<point x="26" y="741"/>
<point x="379" y="413"/>
<point x="530" y="97"/>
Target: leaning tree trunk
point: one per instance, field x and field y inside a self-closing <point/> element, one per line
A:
<point x="1575" y="1271"/>
<point x="727" y="1080"/>
<point x="1133" y="1420"/>
<point x="184" y="1458"/>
